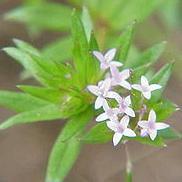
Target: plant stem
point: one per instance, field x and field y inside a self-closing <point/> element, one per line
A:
<point x="128" y="175"/>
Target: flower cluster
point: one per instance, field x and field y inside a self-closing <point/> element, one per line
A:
<point x="118" y="118"/>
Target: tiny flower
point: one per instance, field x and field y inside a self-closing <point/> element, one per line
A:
<point x="110" y="113"/>
<point x="145" y="88"/>
<point x="150" y="127"/>
<point x="102" y="91"/>
<point x="106" y="60"/>
<point x="120" y="129"/>
<point x="124" y="105"/>
<point x="119" y="78"/>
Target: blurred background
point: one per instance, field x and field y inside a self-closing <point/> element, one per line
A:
<point x="24" y="149"/>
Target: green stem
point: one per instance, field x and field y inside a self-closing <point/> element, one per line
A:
<point x="128" y="175"/>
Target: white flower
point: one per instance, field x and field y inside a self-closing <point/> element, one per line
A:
<point x="102" y="91"/>
<point x="120" y="129"/>
<point x="145" y="88"/>
<point x="106" y="60"/>
<point x="124" y="105"/>
<point x="150" y="127"/>
<point x="119" y="78"/>
<point x="110" y="113"/>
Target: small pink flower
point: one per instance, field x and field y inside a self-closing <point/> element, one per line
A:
<point x="110" y="113"/>
<point x="102" y="91"/>
<point x="145" y="88"/>
<point x="106" y="60"/>
<point x="150" y="127"/>
<point x="119" y="78"/>
<point x="120" y="129"/>
<point x="124" y="105"/>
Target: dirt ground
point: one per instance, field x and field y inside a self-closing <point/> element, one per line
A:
<point x="24" y="149"/>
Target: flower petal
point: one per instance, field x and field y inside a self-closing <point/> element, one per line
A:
<point x="102" y="117"/>
<point x="99" y="102"/>
<point x="112" y="125"/>
<point x="112" y="95"/>
<point x="116" y="63"/>
<point x="155" y="87"/>
<point x="105" y="106"/>
<point x="125" y="121"/>
<point x="147" y="95"/>
<point x="125" y="74"/>
<point x="153" y="134"/>
<point x="152" y="116"/>
<point x="143" y="124"/>
<point x="125" y="84"/>
<point x="94" y="89"/>
<point x="137" y="87"/>
<point x="161" y="126"/>
<point x="115" y="73"/>
<point x="129" y="133"/>
<point x="130" y="112"/>
<point x="99" y="56"/>
<point x="143" y="133"/>
<point x="144" y="81"/>
<point x="128" y="100"/>
<point x="109" y="56"/>
<point x="116" y="138"/>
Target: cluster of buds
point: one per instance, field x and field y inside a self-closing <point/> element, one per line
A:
<point x="118" y="118"/>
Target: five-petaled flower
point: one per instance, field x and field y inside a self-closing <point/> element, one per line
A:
<point x="145" y="88"/>
<point x="124" y="105"/>
<point x="102" y="91"/>
<point x="120" y="129"/>
<point x="106" y="60"/>
<point x="150" y="127"/>
<point x="110" y="113"/>
<point x="119" y="78"/>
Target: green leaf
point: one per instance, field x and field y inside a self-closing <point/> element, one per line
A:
<point x="161" y="78"/>
<point x="48" y="94"/>
<point x="50" y="16"/>
<point x="25" y="47"/>
<point x="164" y="109"/>
<point x="124" y="43"/>
<point x="62" y="158"/>
<point x="45" y="113"/>
<point x="87" y="22"/>
<point x="59" y="51"/>
<point x="151" y="55"/>
<point x="67" y="147"/>
<point x="169" y="134"/>
<point x="20" y="102"/>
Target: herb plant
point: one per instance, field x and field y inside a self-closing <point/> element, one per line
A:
<point x="117" y="90"/>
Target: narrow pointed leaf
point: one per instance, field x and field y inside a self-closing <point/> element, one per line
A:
<point x="20" y="102"/>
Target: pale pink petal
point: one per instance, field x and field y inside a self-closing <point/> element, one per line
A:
<point x="144" y="81"/>
<point x="125" y="74"/>
<point x="125" y="121"/>
<point x="116" y="111"/>
<point x="116" y="138"/>
<point x="94" y="89"/>
<point x="143" y="124"/>
<point x="125" y="84"/>
<point x="116" y="63"/>
<point x="99" y="102"/>
<point x="106" y="84"/>
<point x="102" y="117"/>
<point x="115" y="73"/>
<point x="128" y="100"/>
<point x="143" y="132"/>
<point x="109" y="56"/>
<point x="147" y="95"/>
<point x="112" y="125"/>
<point x="129" y="133"/>
<point x="152" y="116"/>
<point x="155" y="87"/>
<point x="161" y="126"/>
<point x="104" y="66"/>
<point x="105" y="106"/>
<point x="130" y="112"/>
<point x="112" y="95"/>
<point x="137" y="87"/>
<point x="153" y="134"/>
<point x="99" y="56"/>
